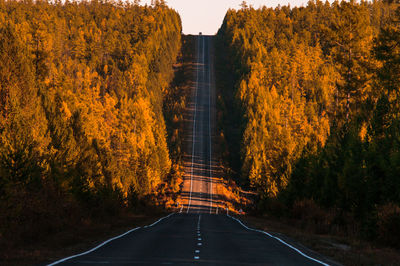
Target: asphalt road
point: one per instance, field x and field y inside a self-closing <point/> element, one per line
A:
<point x="198" y="192"/>
<point x="186" y="239"/>
<point x="196" y="234"/>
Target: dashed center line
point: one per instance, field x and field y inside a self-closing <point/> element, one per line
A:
<point x="197" y="251"/>
<point x="198" y="222"/>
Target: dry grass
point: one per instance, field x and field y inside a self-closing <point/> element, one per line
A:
<point x="230" y="196"/>
<point x="72" y="240"/>
<point x="345" y="250"/>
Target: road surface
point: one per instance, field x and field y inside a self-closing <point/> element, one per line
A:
<point x="196" y="234"/>
<point x="198" y="193"/>
<point x="185" y="239"/>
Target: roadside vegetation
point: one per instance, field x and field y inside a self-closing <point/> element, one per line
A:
<point x="93" y="98"/>
<point x="317" y="92"/>
<point x="83" y="139"/>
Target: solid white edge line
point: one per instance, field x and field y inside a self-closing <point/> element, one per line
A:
<point x="159" y="220"/>
<point x="194" y="127"/>
<point x="209" y="126"/>
<point x="280" y="240"/>
<point x="203" y="165"/>
<point x="105" y="242"/>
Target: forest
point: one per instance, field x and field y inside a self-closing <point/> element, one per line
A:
<point x="82" y="128"/>
<point x="317" y="89"/>
<point x="91" y="112"/>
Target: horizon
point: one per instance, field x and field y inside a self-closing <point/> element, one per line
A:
<point x="197" y="17"/>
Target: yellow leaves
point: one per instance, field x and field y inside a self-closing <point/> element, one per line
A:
<point x="94" y="127"/>
<point x="272" y="189"/>
<point x="149" y="19"/>
<point x="243" y="89"/>
<point x="286" y="94"/>
<point x="65" y="110"/>
<point x="175" y="119"/>
<point x="143" y="123"/>
<point x="273" y="92"/>
<point x="363" y="131"/>
<point x="139" y="73"/>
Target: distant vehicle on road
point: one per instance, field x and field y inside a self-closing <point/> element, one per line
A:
<point x="200" y="33"/>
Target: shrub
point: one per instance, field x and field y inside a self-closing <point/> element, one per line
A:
<point x="272" y="206"/>
<point x="388" y="224"/>
<point x="310" y="215"/>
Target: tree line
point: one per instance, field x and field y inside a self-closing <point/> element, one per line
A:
<point x="82" y="85"/>
<point x="318" y="90"/>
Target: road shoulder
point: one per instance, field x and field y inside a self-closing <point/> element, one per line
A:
<point x="332" y="248"/>
<point x="73" y="240"/>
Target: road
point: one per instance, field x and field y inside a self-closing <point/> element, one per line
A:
<point x="206" y="239"/>
<point x="198" y="193"/>
<point x="195" y="234"/>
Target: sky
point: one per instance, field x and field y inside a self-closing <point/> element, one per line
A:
<point x="206" y="16"/>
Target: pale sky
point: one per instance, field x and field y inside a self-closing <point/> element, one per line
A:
<point x="206" y="16"/>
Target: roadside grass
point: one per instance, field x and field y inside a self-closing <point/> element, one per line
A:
<point x="231" y="196"/>
<point x="72" y="239"/>
<point x="340" y="248"/>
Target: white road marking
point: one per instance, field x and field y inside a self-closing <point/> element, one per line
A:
<point x="159" y="220"/>
<point x="198" y="239"/>
<point x="105" y="242"/>
<point x="209" y="129"/>
<point x="194" y="129"/>
<point x="280" y="240"/>
<point x="204" y="82"/>
<point x="94" y="262"/>
<point x="198" y="222"/>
